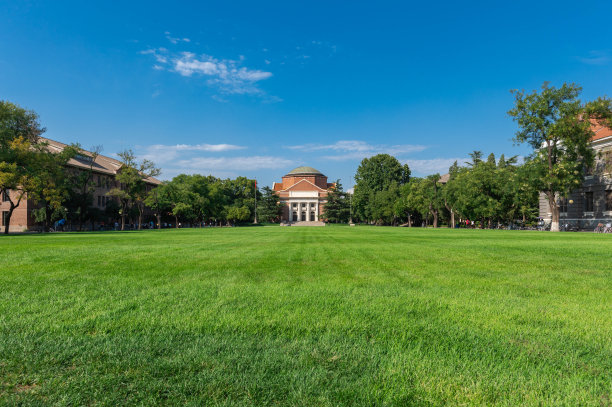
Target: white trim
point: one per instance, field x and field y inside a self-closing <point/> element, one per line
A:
<point x="303" y="180"/>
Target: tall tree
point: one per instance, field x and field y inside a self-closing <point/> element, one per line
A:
<point x="268" y="207"/>
<point x="19" y="137"/>
<point x="132" y="190"/>
<point x="557" y="126"/>
<point x="376" y="174"/>
<point x="337" y="207"/>
<point x="81" y="191"/>
<point x="51" y="186"/>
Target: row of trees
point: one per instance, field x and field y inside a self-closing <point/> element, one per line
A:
<point x="198" y="199"/>
<point x="491" y="191"/>
<point x="554" y="122"/>
<point x="29" y="169"/>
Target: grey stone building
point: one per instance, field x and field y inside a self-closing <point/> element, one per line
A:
<point x="592" y="202"/>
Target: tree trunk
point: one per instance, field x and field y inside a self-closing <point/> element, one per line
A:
<point x="176" y="222"/>
<point x="452" y="219"/>
<point x="435" y="219"/>
<point x="8" y="219"/>
<point x="140" y="211"/>
<point x="158" y="216"/>
<point x="554" y="209"/>
<point x="10" y="213"/>
<point x="554" y="224"/>
<point x="122" y="220"/>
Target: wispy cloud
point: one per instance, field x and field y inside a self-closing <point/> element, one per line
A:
<point x="596" y="57"/>
<point x="245" y="163"/>
<point x="226" y="75"/>
<point x="429" y="166"/>
<point x="175" y="40"/>
<point x="207" y="159"/>
<point x="356" y="149"/>
<point x="160" y="153"/>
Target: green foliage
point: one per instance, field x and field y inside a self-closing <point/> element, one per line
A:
<point x="332" y="316"/>
<point x="557" y="125"/>
<point x="492" y="192"/>
<point x="132" y="190"/>
<point x="337" y="208"/>
<point x="378" y="180"/>
<point x="268" y="206"/>
<point x="238" y="213"/>
<point x="19" y="154"/>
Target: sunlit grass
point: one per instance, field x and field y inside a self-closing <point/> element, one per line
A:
<point x="306" y="316"/>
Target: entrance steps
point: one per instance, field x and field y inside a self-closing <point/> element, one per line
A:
<point x="304" y="223"/>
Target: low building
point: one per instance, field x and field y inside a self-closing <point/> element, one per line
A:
<point x="303" y="194"/>
<point x="592" y="202"/>
<point x="104" y="170"/>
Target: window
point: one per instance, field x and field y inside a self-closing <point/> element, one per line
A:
<point x="607" y="161"/>
<point x="5" y="196"/>
<point x="562" y="204"/>
<point x="588" y="202"/>
<point x="303" y="216"/>
<point x="294" y="206"/>
<point x="608" y="200"/>
<point x="312" y="205"/>
<point x="4" y="217"/>
<point x="312" y="216"/>
<point x="303" y="205"/>
<point x="294" y="217"/>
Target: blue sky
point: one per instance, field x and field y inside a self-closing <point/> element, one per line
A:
<point x="258" y="88"/>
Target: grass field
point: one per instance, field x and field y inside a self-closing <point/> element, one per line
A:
<point x="306" y="316"/>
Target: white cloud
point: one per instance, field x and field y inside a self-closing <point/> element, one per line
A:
<point x="160" y="153"/>
<point x="225" y="74"/>
<point x="235" y="163"/>
<point x="596" y="57"/>
<point x="176" y="40"/>
<point x="356" y="149"/>
<point x="432" y="165"/>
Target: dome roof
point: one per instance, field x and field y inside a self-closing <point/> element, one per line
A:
<point x="304" y="171"/>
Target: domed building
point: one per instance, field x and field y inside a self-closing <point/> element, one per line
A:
<point x="303" y="193"/>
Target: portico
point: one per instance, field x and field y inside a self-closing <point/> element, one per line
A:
<point x="303" y="194"/>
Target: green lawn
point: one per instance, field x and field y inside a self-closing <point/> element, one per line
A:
<point x="306" y="316"/>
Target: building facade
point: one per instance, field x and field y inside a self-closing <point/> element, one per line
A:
<point x="104" y="170"/>
<point x="303" y="194"/>
<point x="592" y="202"/>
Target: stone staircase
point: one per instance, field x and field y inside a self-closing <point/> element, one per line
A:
<point x="305" y="223"/>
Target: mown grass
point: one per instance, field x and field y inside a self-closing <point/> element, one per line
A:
<point x="306" y="316"/>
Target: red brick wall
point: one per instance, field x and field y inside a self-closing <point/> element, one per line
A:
<point x="21" y="219"/>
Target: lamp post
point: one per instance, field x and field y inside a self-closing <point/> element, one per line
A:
<point x="255" y="219"/>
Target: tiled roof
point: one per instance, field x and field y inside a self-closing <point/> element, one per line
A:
<point x="600" y="130"/>
<point x="102" y="163"/>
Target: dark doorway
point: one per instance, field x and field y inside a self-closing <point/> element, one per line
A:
<point x="303" y="216"/>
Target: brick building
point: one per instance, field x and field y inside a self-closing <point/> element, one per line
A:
<point x="104" y="170"/>
<point x="592" y="202"/>
<point x="303" y="194"/>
